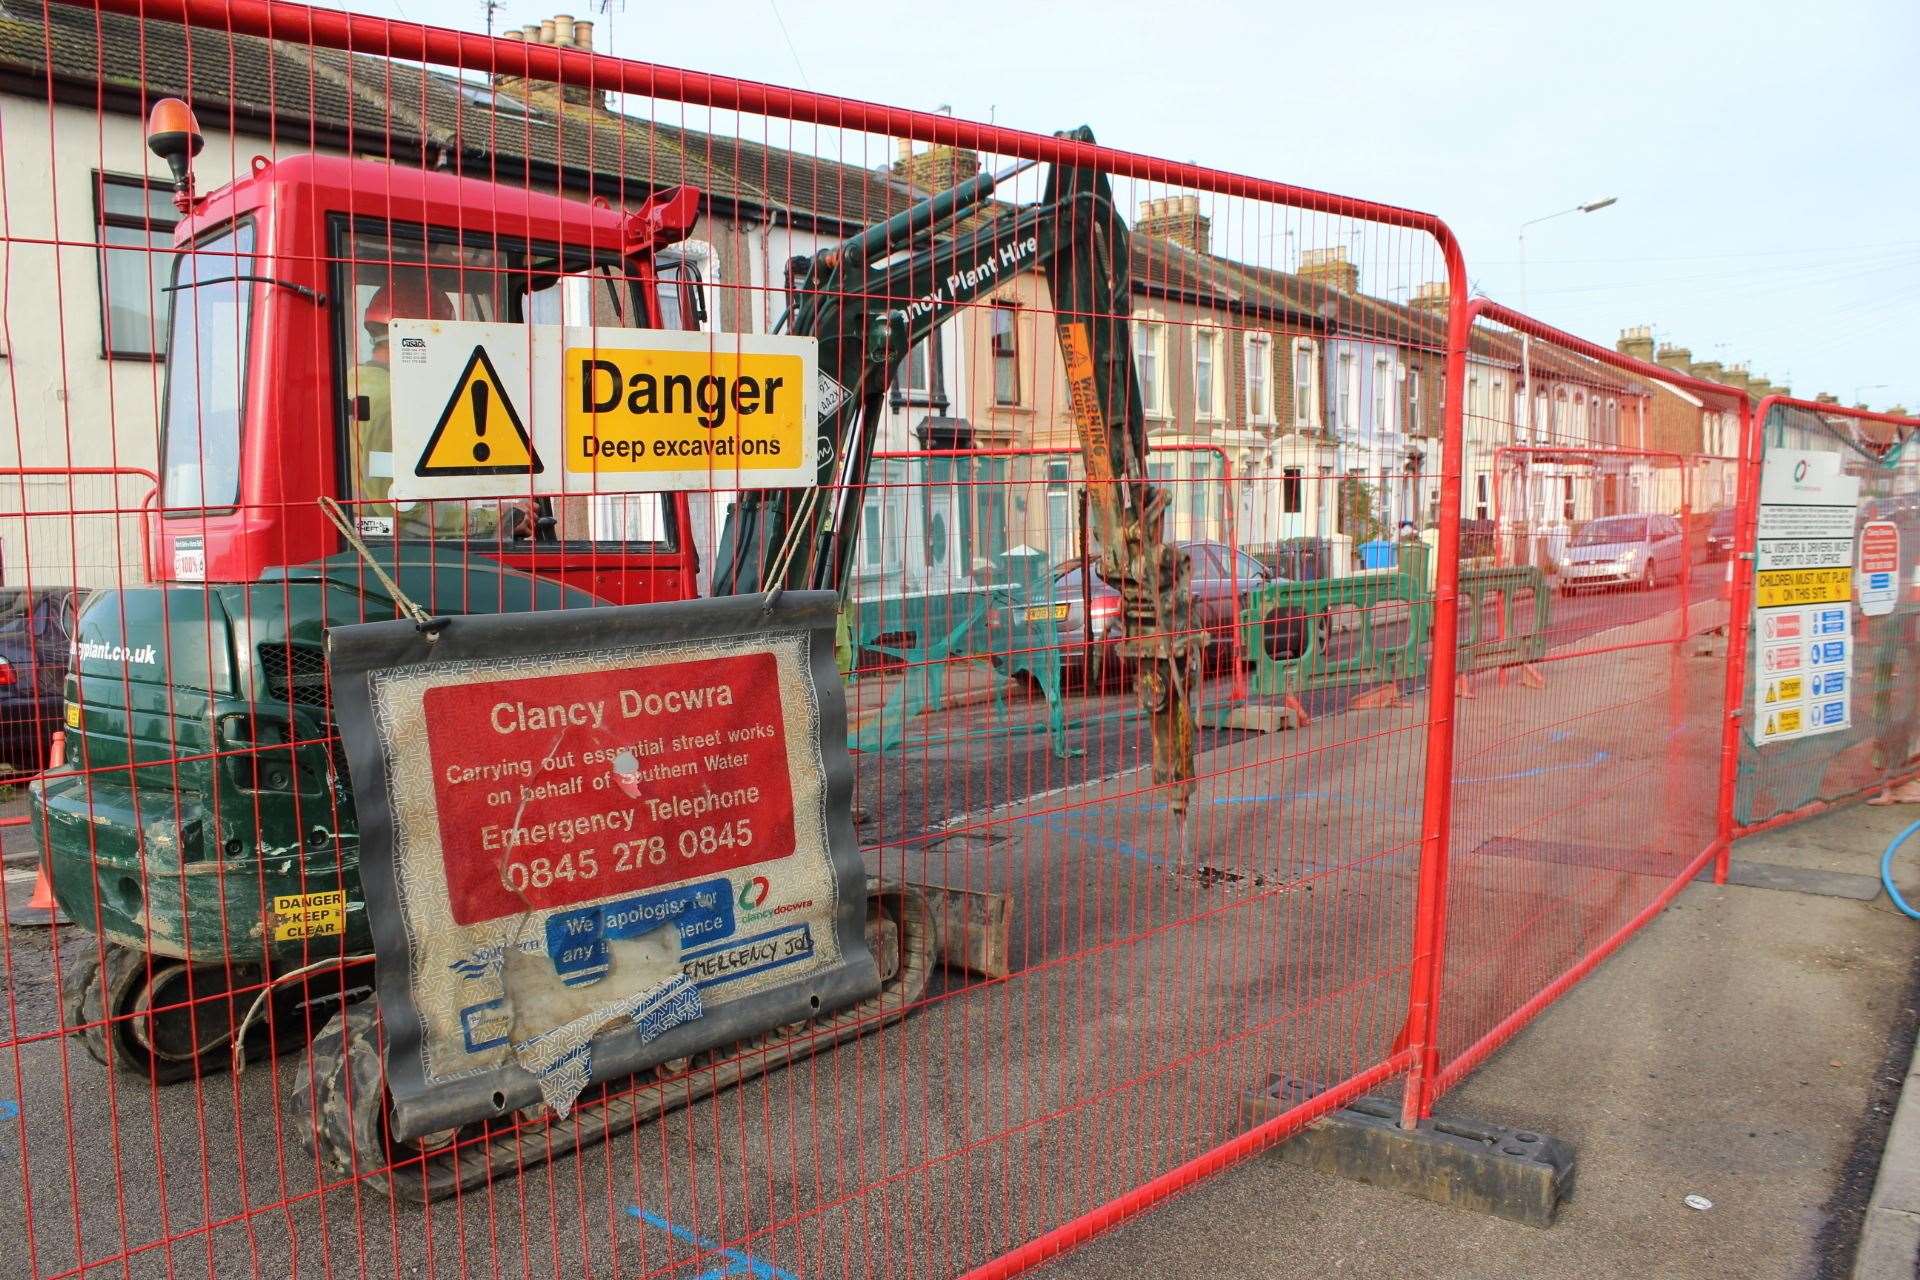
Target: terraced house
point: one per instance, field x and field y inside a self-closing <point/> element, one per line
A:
<point x="1322" y="402"/>
<point x="91" y="226"/>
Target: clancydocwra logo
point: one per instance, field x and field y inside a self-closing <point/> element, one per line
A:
<point x="1800" y="471"/>
<point x="754" y="892"/>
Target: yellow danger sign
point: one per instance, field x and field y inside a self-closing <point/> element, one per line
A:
<point x="1785" y="689"/>
<point x="1780" y="587"/>
<point x="309" y="915"/>
<point x="665" y="410"/>
<point x="479" y="432"/>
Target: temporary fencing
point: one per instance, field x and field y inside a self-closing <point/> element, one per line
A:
<point x="1609" y="699"/>
<point x="1424" y="692"/>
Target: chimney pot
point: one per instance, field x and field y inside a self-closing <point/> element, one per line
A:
<point x="532" y="30"/>
<point x="1330" y="267"/>
<point x="583" y="35"/>
<point x="563" y="28"/>
<point x="1637" y="342"/>
<point x="938" y="167"/>
<point x="512" y="34"/>
<point x="1177" y="218"/>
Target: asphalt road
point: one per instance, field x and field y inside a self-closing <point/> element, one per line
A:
<point x="967" y="759"/>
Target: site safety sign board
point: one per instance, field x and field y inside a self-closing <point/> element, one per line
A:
<point x="597" y="840"/>
<point x="1803" y="596"/>
<point x="1877" y="584"/>
<point x="506" y="410"/>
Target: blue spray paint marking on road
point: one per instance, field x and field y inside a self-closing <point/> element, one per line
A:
<point x="1066" y="826"/>
<point x="1265" y="799"/>
<point x="9" y="1109"/>
<point x="1599" y="757"/>
<point x="1054" y="822"/>
<point x="1352" y="802"/>
<point x="737" y="1264"/>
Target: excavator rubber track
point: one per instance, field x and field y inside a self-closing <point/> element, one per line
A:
<point x="344" y="1097"/>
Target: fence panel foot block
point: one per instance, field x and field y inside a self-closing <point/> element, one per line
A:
<point x="1510" y="1173"/>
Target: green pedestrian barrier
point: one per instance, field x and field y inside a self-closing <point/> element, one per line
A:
<point x="1493" y="637"/>
<point x="1286" y="632"/>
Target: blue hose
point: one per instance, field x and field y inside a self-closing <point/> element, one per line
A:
<point x="1886" y="870"/>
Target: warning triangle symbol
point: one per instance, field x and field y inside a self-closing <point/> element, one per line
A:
<point x="479" y="432"/>
<point x="1773" y="694"/>
<point x="1771" y="726"/>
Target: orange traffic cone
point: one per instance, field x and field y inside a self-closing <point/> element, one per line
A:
<point x="1532" y="677"/>
<point x="42" y="899"/>
<point x="1293" y="704"/>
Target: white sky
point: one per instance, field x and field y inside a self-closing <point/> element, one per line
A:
<point x="1764" y="153"/>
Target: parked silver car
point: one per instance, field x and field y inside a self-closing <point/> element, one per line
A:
<point x="1618" y="551"/>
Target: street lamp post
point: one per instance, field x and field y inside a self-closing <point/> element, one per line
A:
<point x="1526" y="345"/>
<point x="1526" y="424"/>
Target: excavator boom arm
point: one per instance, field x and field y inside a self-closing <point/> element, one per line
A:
<point x="872" y="298"/>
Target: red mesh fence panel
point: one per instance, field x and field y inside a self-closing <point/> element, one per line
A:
<point x="1585" y="781"/>
<point x="219" y="355"/>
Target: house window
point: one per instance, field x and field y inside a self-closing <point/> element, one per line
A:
<point x="1562" y="407"/>
<point x="1413" y="398"/>
<point x="872" y="546"/>
<point x="1480" y="496"/>
<point x="1566" y="498"/>
<point x="921" y="376"/>
<point x="1539" y="423"/>
<point x="1475" y="406"/>
<point x="1206" y="374"/>
<point x="1292" y="492"/>
<point x="1006" y="353"/>
<point x="135" y="219"/>
<point x="1498" y="399"/>
<point x="1149" y="351"/>
<point x="1348" y="391"/>
<point x="684" y="272"/>
<point x="1613" y="422"/>
<point x="1259" y="357"/>
<point x="1382" y="406"/>
<point x="1306" y="398"/>
<point x="1060" y="521"/>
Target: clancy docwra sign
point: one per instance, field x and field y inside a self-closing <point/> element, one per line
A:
<point x="596" y="840"/>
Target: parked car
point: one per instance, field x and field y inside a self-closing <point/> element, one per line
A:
<point x="1720" y="534"/>
<point x="1624" y="551"/>
<point x="1085" y="612"/>
<point x="36" y="641"/>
